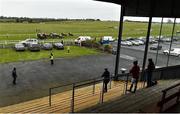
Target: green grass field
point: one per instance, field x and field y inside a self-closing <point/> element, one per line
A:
<point x="21" y="31"/>
<point x="10" y="55"/>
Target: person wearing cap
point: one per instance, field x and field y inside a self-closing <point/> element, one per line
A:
<point x="135" y="76"/>
<point x="106" y="79"/>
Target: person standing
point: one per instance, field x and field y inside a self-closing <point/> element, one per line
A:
<point x="52" y="59"/>
<point x="14" y="75"/>
<point x="135" y="75"/>
<point x="106" y="79"/>
<point x="62" y="42"/>
<point x="150" y="70"/>
<point x="68" y="49"/>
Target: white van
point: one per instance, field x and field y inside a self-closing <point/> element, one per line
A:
<point x="82" y="38"/>
<point x="108" y="38"/>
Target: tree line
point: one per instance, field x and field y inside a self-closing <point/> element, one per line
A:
<point x="39" y="20"/>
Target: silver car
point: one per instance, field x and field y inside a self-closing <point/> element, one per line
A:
<point x="47" y="46"/>
<point x="58" y="46"/>
<point x="34" y="47"/>
<point x="19" y="47"/>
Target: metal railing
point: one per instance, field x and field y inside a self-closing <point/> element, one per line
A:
<point x="165" y="99"/>
<point x="91" y="82"/>
<point x="160" y="73"/>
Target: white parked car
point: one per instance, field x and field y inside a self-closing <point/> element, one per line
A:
<point x="174" y="52"/>
<point x="126" y="43"/>
<point x="108" y="38"/>
<point x="27" y="42"/>
<point x="82" y="38"/>
<point x="140" y="42"/>
<point x="134" y="42"/>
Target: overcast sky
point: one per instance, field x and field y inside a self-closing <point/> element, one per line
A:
<point x="60" y="9"/>
<point x="74" y="9"/>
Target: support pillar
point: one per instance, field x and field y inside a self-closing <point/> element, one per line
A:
<point x="119" y="42"/>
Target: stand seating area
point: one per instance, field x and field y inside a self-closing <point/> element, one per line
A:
<point x="85" y="101"/>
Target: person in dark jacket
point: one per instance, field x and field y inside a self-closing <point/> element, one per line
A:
<point x="106" y="79"/>
<point x="14" y="75"/>
<point x="150" y="69"/>
<point x="135" y="75"/>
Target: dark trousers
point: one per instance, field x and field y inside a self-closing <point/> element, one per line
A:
<point x="105" y="85"/>
<point x="14" y="80"/>
<point x="52" y="62"/>
<point x="149" y="79"/>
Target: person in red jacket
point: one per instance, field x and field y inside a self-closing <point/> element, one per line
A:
<point x="135" y="75"/>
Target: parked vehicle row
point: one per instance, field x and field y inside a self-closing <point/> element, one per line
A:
<point x="142" y="40"/>
<point x="38" y="47"/>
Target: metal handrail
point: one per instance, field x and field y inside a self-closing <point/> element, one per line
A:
<point x="75" y="85"/>
<point x="171" y="87"/>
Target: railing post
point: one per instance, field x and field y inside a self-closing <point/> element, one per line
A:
<point x="110" y="83"/>
<point x="161" y="105"/>
<point x="102" y="97"/>
<point x="49" y="96"/>
<point x="126" y="83"/>
<point x="94" y="86"/>
<point x="72" y="99"/>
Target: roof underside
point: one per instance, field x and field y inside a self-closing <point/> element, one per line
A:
<point x="146" y="8"/>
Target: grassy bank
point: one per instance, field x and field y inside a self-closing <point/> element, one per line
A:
<point x="21" y="31"/>
<point x="10" y="55"/>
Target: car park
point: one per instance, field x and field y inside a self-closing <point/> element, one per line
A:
<point x="173" y="51"/>
<point x="19" y="47"/>
<point x="155" y="47"/>
<point x="47" y="46"/>
<point x="29" y="41"/>
<point x="58" y="46"/>
<point x="34" y="47"/>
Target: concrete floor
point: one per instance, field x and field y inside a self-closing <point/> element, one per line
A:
<point x="36" y="77"/>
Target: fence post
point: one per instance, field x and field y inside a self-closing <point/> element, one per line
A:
<point x="49" y="96"/>
<point x="72" y="99"/>
<point x="94" y="86"/>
